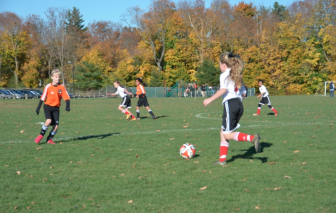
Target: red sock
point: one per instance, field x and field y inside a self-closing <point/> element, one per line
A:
<point x="126" y="112"/>
<point x="243" y="137"/>
<point x="133" y="116"/>
<point x="224" y="147"/>
<point x="276" y="112"/>
<point x="258" y="112"/>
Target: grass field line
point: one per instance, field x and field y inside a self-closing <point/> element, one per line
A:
<point x="163" y="131"/>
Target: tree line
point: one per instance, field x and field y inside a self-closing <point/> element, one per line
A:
<point x="291" y="48"/>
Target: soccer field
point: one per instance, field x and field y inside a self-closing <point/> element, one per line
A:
<point x="103" y="163"/>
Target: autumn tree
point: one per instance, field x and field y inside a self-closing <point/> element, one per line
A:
<point x="15" y="42"/>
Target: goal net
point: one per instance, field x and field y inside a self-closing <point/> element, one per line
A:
<point x="323" y="89"/>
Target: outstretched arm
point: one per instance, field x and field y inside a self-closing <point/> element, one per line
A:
<point x="218" y="94"/>
<point x="128" y="92"/>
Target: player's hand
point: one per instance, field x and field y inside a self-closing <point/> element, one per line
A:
<point x="206" y="102"/>
<point x="67" y="108"/>
<point x="37" y="111"/>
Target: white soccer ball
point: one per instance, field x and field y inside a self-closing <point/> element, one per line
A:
<point x="187" y="150"/>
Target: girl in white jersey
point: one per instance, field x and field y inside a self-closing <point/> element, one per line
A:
<point x="232" y="90"/>
<point x="264" y="99"/>
<point x="126" y="102"/>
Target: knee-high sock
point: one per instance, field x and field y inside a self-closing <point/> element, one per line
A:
<point x="243" y="137"/>
<point x="51" y="134"/>
<point x="223" y="149"/>
<point x="43" y="130"/>
<point x="138" y="113"/>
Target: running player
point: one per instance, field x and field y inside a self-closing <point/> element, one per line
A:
<point x="264" y="99"/>
<point x="141" y="94"/>
<point x="231" y="87"/>
<point x="126" y="102"/>
<point x="51" y="97"/>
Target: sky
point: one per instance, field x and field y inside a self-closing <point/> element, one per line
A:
<point x="98" y="10"/>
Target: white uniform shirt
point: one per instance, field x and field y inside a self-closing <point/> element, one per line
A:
<point x="231" y="90"/>
<point x="121" y="92"/>
<point x="263" y="89"/>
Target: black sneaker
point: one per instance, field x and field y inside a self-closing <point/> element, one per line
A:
<point x="256" y="142"/>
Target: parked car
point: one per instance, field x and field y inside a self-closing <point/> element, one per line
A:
<point x="36" y="93"/>
<point x="5" y="95"/>
<point x="29" y="93"/>
<point x="17" y="95"/>
<point x="71" y="96"/>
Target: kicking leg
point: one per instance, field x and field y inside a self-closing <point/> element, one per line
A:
<point x="150" y="112"/>
<point x="52" y="134"/>
<point x="272" y="108"/>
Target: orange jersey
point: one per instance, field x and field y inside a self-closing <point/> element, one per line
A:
<point x="140" y="90"/>
<point x="52" y="95"/>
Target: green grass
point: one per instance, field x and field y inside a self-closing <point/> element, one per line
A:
<point x="101" y="173"/>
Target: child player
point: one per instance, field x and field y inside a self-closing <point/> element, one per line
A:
<point x="51" y="97"/>
<point x="232" y="89"/>
<point x="264" y="99"/>
<point x="126" y="102"/>
<point x="141" y="94"/>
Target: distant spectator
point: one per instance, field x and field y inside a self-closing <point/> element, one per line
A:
<point x="246" y="88"/>
<point x="195" y="87"/>
<point x="203" y="90"/>
<point x="332" y="88"/>
<point x="186" y="92"/>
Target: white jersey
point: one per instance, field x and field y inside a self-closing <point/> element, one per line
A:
<point x="263" y="89"/>
<point x="121" y="92"/>
<point x="232" y="91"/>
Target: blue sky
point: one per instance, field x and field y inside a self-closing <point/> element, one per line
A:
<point x="107" y="10"/>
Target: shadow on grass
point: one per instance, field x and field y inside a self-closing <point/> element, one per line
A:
<point x="250" y="152"/>
<point x="271" y="113"/>
<point x="158" y="117"/>
<point x="86" y="137"/>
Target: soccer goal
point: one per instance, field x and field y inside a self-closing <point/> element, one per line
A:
<point x="323" y="89"/>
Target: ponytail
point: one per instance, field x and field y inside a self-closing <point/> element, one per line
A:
<point x="236" y="65"/>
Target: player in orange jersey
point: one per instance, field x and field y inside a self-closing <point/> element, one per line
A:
<point x="51" y="97"/>
<point x="141" y="94"/>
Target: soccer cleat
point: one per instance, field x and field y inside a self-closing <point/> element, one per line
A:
<point x="128" y="117"/>
<point x="256" y="142"/>
<point x="276" y="114"/>
<point x="51" y="141"/>
<point x="38" y="138"/>
<point x="153" y="117"/>
<point x="255" y="114"/>
<point x="221" y="163"/>
<point x="138" y="119"/>
<point x="133" y="119"/>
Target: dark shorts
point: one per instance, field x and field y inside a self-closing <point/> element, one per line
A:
<point x="143" y="102"/>
<point x="233" y="110"/>
<point x="126" y="102"/>
<point x="52" y="113"/>
<point x="265" y="100"/>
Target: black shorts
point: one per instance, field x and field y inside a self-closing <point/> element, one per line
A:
<point x="126" y="102"/>
<point x="142" y="102"/>
<point x="265" y="100"/>
<point x="233" y="110"/>
<point x="52" y="113"/>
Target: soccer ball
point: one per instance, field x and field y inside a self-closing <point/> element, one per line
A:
<point x="187" y="150"/>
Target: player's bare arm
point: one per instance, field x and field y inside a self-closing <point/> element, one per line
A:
<point x="218" y="94"/>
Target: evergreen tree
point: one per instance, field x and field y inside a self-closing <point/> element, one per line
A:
<point x="208" y="73"/>
<point x="156" y="80"/>
<point x="89" y="76"/>
<point x="74" y="20"/>
<point x="279" y="11"/>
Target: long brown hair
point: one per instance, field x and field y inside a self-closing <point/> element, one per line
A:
<point x="236" y="65"/>
<point x="118" y="83"/>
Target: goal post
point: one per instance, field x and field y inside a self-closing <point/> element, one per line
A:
<point x="323" y="88"/>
